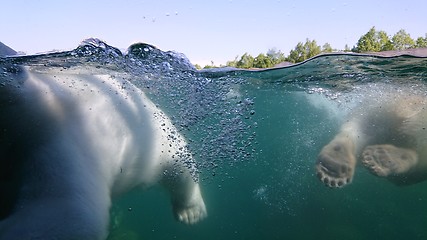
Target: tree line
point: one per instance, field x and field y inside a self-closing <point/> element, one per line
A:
<point x="372" y="41"/>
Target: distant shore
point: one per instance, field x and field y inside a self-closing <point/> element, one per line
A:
<point x="416" y="52"/>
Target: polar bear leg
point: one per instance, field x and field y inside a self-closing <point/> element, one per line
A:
<point x="336" y="162"/>
<point x="388" y="160"/>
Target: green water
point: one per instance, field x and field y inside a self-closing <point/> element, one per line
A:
<point x="277" y="195"/>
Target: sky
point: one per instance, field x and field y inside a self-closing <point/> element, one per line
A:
<point x="204" y="30"/>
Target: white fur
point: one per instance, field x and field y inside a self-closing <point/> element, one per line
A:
<point x="83" y="138"/>
<point x="386" y="133"/>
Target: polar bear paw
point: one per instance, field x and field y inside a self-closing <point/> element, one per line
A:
<point x="192" y="214"/>
<point x="335" y="164"/>
<point x="388" y="160"/>
<point x="191" y="210"/>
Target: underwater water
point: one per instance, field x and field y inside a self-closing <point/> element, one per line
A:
<point x="256" y="136"/>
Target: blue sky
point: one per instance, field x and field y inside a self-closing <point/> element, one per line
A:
<point x="205" y="31"/>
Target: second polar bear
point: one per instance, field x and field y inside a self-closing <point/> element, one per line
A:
<point x="387" y="134"/>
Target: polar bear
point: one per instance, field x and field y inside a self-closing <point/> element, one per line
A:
<point x="387" y="133"/>
<point x="72" y="139"/>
